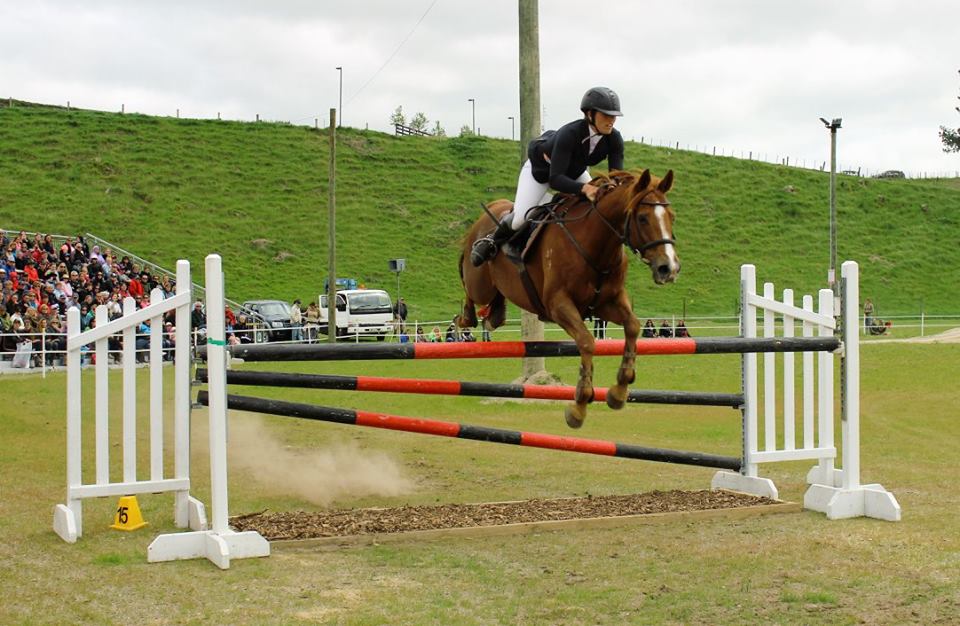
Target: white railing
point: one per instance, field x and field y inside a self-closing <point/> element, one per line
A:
<point x="836" y="492"/>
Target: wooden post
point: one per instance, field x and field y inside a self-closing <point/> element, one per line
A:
<point x="531" y="328"/>
<point x="332" y="231"/>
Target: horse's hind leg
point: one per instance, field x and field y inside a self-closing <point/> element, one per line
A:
<point x="621" y="312"/>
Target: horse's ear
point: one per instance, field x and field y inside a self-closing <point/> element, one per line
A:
<point x="666" y="183"/>
<point x="644" y="181"/>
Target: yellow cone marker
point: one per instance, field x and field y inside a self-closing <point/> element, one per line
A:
<point x="128" y="515"/>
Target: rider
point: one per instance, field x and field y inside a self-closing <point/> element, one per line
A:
<point x="558" y="160"/>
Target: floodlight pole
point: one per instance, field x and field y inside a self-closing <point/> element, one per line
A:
<point x="833" y="126"/>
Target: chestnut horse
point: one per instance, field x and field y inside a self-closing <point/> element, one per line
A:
<point x="577" y="267"/>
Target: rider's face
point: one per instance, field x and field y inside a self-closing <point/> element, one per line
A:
<point x="603" y="122"/>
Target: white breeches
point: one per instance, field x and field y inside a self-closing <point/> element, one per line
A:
<point x="530" y="193"/>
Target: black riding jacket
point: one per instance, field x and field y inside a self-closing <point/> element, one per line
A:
<point x="567" y="150"/>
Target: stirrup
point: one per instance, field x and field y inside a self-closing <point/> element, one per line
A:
<point x="483" y="250"/>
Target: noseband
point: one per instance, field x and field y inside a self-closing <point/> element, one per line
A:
<point x="624" y="233"/>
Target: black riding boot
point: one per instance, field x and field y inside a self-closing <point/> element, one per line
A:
<point x="486" y="248"/>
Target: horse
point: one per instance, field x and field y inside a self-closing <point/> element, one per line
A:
<point x="577" y="267"/>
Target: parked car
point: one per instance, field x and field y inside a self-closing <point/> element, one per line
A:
<point x="891" y="174"/>
<point x="273" y="315"/>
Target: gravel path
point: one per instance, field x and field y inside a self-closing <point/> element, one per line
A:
<point x="309" y="525"/>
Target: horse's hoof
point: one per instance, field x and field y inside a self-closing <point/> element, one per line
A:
<point x="614" y="402"/>
<point x="574" y="416"/>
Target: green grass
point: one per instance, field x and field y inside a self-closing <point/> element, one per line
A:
<point x="256" y="193"/>
<point x="785" y="569"/>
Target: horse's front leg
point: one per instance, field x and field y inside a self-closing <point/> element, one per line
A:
<point x="567" y="316"/>
<point x="620" y="312"/>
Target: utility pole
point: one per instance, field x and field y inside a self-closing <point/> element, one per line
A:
<point x="833" y="126"/>
<point x="512" y="126"/>
<point x="340" y="107"/>
<point x="531" y="328"/>
<point x="332" y="231"/>
<point x="473" y="109"/>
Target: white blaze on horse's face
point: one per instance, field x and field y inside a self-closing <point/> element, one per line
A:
<point x="669" y="266"/>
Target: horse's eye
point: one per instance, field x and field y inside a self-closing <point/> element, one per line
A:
<point x="643" y="220"/>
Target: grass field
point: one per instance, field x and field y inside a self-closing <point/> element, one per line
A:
<point x="786" y="569"/>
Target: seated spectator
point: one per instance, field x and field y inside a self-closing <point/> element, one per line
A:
<point x="420" y="337"/>
<point x="452" y="333"/>
<point x="403" y="336"/>
<point x="435" y="335"/>
<point x="649" y="329"/>
<point x="243" y="330"/>
<point x="467" y="335"/>
<point x="665" y="329"/>
<point x="681" y="330"/>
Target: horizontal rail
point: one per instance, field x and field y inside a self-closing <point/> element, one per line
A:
<point x="476" y="433"/>
<point x="523" y="349"/>
<point x="459" y="388"/>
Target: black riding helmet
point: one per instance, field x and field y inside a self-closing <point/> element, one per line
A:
<point x="601" y="99"/>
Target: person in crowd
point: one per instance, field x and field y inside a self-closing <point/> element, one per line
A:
<point x="559" y="160"/>
<point x="466" y="335"/>
<point x="868" y="313"/>
<point x="649" y="329"/>
<point x="312" y="321"/>
<point x="296" y="321"/>
<point x="452" y="333"/>
<point x="400" y="313"/>
<point x="243" y="330"/>
<point x="229" y="319"/>
<point x="420" y="337"/>
<point x="198" y="319"/>
<point x="435" y="335"/>
<point x="681" y="330"/>
<point x="665" y="329"/>
<point x="403" y="337"/>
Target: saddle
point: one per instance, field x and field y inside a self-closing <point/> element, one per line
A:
<point x="519" y="248"/>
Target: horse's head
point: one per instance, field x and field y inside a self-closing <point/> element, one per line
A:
<point x="647" y="220"/>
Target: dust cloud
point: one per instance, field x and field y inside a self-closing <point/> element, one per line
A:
<point x="320" y="476"/>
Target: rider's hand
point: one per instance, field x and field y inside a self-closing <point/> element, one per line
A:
<point x="590" y="191"/>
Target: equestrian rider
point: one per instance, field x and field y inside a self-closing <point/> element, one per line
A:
<point x="558" y="160"/>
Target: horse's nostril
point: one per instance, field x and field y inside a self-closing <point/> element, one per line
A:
<point x="663" y="270"/>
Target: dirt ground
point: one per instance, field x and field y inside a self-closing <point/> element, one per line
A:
<point x="310" y="525"/>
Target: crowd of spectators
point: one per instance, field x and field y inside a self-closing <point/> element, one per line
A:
<point x="41" y="278"/>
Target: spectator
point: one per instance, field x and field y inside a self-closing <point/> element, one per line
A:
<point x="400" y="313"/>
<point x="296" y="321"/>
<point x="420" y="337"/>
<point x="649" y="329"/>
<point x="467" y="335"/>
<point x="665" y="329"/>
<point x="404" y="337"/>
<point x="229" y="319"/>
<point x="681" y="330"/>
<point x="868" y="313"/>
<point x="435" y="335"/>
<point x="452" y="333"/>
<point x="198" y="319"/>
<point x="243" y="330"/>
<point x="312" y="318"/>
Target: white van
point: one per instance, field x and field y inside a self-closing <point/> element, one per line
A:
<point x="360" y="312"/>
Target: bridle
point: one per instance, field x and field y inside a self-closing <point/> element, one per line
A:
<point x="623" y="234"/>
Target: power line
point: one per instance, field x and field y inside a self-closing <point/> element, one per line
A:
<point x="390" y="58"/>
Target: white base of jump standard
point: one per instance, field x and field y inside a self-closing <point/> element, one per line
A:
<point x="217" y="547"/>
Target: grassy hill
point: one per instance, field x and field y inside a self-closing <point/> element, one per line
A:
<point x="256" y="193"/>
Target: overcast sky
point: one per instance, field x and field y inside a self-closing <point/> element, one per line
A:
<point x="741" y="75"/>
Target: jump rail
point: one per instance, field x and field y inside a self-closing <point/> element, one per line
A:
<point x="476" y="433"/>
<point x="462" y="388"/>
<point x="523" y="349"/>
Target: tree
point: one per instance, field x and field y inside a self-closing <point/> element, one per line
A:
<point x="466" y="131"/>
<point x="950" y="136"/>
<point x="398" y="119"/>
<point x="419" y="122"/>
<point x="438" y="130"/>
